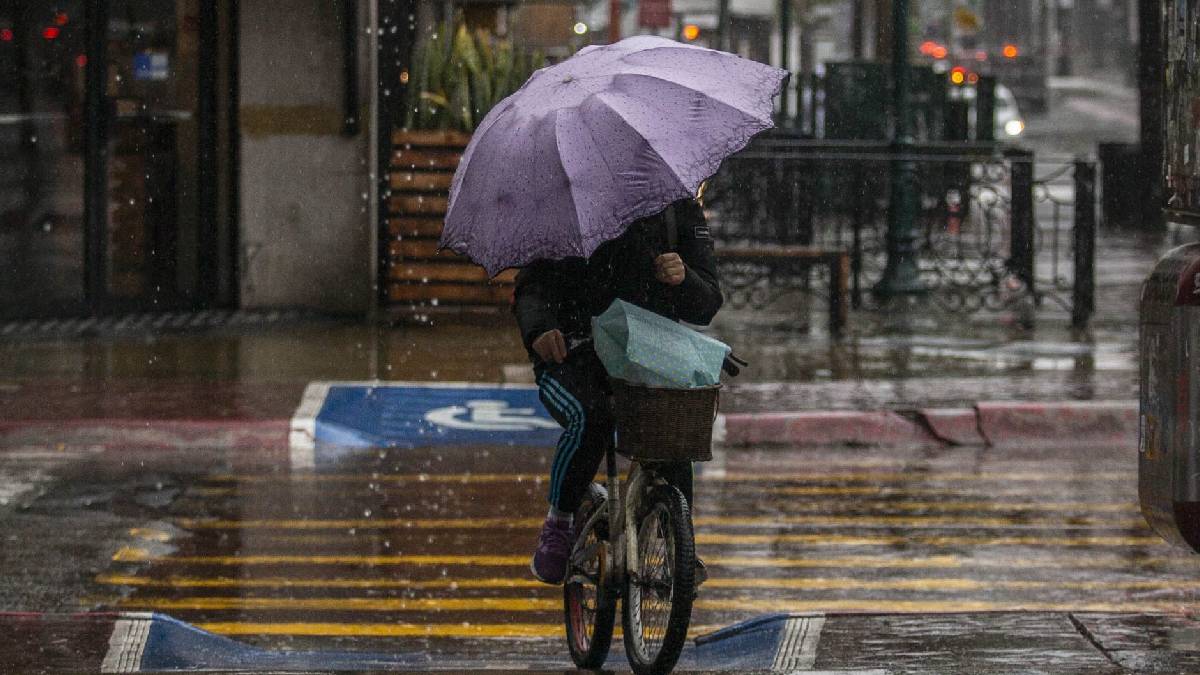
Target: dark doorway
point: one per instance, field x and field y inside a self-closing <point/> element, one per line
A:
<point x="107" y="159"/>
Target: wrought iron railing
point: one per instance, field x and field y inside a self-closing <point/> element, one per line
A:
<point x="994" y="229"/>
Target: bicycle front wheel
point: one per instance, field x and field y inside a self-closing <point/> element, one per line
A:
<point x="660" y="591"/>
<point x="590" y="607"/>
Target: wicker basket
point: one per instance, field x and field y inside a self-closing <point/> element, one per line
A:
<point x="664" y="425"/>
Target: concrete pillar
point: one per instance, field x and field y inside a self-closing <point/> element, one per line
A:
<point x="305" y="221"/>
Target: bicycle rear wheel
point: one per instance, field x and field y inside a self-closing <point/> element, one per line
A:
<point x="590" y="607"/>
<point x="660" y="591"/>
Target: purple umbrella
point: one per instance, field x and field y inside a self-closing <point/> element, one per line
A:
<point x="611" y="135"/>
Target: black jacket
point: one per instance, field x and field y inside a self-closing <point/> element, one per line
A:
<point x="566" y="294"/>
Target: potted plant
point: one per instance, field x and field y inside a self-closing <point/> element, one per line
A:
<point x="456" y="78"/>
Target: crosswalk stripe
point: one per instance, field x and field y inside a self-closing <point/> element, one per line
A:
<point x="445" y="630"/>
<point x="288" y="582"/>
<point x="913" y="475"/>
<point x="987" y="505"/>
<point x="347" y="604"/>
<point x="788" y="583"/>
<point x="453" y="630"/>
<point x="990" y="492"/>
<point x="771" y="522"/>
<point x="714" y="539"/>
<point x="748" y="604"/>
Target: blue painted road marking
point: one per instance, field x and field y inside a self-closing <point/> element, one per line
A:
<point x="342" y="415"/>
<point x="147" y="642"/>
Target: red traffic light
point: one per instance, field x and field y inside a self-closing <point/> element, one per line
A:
<point x="6" y="35"/>
<point x="50" y="32"/>
<point x="61" y="18"/>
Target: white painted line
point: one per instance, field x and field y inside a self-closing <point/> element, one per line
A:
<point x="14" y="485"/>
<point x="425" y="384"/>
<point x="798" y="647"/>
<point x="127" y="643"/>
<point x="302" y="437"/>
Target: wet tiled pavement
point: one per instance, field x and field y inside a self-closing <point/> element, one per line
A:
<point x="425" y="551"/>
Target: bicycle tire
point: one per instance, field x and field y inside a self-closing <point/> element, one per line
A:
<point x="589" y="631"/>
<point x="656" y="627"/>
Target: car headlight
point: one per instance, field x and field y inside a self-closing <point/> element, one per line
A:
<point x="1014" y="127"/>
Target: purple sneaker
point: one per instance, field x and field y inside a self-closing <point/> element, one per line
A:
<point x="554" y="547"/>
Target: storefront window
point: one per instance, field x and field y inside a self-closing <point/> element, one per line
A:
<point x="41" y="156"/>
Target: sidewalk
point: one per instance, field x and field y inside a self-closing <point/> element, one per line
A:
<point x="900" y="377"/>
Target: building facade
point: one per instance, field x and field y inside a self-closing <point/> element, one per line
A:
<point x="183" y="154"/>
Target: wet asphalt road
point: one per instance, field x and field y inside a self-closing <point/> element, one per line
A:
<point x="425" y="550"/>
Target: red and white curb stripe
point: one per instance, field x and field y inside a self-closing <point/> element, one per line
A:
<point x="989" y="423"/>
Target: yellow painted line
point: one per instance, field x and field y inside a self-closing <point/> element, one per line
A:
<point x="945" y="584"/>
<point x="285" y="582"/>
<point x="1053" y="474"/>
<point x="902" y="491"/>
<point x="363" y="524"/>
<point x="201" y="491"/>
<point x="744" y="604"/>
<point x="771" y="522"/>
<point x="132" y="554"/>
<point x="465" y="478"/>
<point x="928" y="540"/>
<point x="927" y="606"/>
<point x="347" y="604"/>
<point x="857" y="562"/>
<point x="446" y="630"/>
<point x="455" y="630"/>
<point x="775" y="583"/>
<point x="978" y="505"/>
<point x="871" y="519"/>
<point x="150" y="534"/>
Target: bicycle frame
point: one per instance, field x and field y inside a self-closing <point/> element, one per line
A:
<point x="621" y="512"/>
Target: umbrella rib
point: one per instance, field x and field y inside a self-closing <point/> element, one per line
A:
<point x="710" y="96"/>
<point x="649" y="145"/>
<point x="570" y="184"/>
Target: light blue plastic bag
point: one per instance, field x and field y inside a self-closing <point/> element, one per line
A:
<point x="642" y="347"/>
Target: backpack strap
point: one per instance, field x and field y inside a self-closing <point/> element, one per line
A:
<point x="672" y="230"/>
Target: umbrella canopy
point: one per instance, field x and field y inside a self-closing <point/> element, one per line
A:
<point x="611" y="135"/>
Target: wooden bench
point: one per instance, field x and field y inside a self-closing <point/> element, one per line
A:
<point x="798" y="258"/>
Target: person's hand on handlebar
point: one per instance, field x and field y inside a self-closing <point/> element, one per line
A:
<point x="551" y="346"/>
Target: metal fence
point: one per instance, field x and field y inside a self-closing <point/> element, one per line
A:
<point x="850" y="101"/>
<point x="995" y="228"/>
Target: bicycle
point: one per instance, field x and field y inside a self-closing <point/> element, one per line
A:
<point x="640" y="549"/>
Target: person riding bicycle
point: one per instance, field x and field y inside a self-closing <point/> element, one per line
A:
<point x="554" y="303"/>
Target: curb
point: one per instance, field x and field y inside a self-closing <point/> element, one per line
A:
<point x="1010" y="424"/>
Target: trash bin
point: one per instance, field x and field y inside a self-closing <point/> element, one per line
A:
<point x="1121" y="184"/>
<point x="1169" y="422"/>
